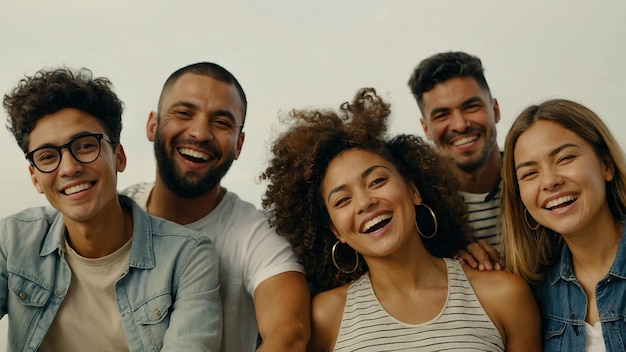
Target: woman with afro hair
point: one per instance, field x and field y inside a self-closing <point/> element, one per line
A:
<point x="374" y="221"/>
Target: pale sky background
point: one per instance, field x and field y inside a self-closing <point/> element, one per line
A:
<point x="294" y="54"/>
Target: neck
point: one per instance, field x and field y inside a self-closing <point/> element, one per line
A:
<point x="100" y="236"/>
<point x="484" y="178"/>
<point x="595" y="250"/>
<point x="409" y="269"/>
<point x="166" y="204"/>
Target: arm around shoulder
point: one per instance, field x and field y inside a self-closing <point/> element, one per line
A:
<point x="196" y="316"/>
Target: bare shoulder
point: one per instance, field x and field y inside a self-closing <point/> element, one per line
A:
<point x="509" y="303"/>
<point x="328" y="306"/>
<point x="326" y="313"/>
<point x="496" y="284"/>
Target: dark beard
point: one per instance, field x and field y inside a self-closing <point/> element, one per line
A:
<point x="187" y="185"/>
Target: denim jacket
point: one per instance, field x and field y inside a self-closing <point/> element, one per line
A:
<point x="168" y="297"/>
<point x="563" y="305"/>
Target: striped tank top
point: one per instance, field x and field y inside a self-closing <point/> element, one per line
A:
<point x="462" y="325"/>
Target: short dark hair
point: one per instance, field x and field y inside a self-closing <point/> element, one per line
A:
<point x="48" y="91"/>
<point x="442" y="67"/>
<point x="208" y="69"/>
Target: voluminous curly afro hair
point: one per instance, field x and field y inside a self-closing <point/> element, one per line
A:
<point x="49" y="91"/>
<point x="300" y="158"/>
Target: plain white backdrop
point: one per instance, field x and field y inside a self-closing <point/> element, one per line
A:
<point x="293" y="54"/>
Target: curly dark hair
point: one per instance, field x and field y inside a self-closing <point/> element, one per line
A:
<point x="300" y="158"/>
<point x="442" y="67"/>
<point x="47" y="92"/>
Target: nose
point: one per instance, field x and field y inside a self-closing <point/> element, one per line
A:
<point x="551" y="178"/>
<point x="200" y="128"/>
<point x="364" y="201"/>
<point x="68" y="165"/>
<point x="458" y="122"/>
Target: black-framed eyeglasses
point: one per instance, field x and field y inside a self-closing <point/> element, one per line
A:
<point x="84" y="148"/>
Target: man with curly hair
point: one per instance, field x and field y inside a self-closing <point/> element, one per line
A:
<point x="95" y="272"/>
<point x="459" y="116"/>
<point x="197" y="132"/>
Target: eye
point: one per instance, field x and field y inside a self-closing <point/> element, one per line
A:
<point x="182" y="114"/>
<point x="223" y="124"/>
<point x="438" y="116"/>
<point x="565" y="159"/>
<point x="527" y="175"/>
<point x="86" y="146"/>
<point x="378" y="181"/>
<point x="45" y="156"/>
<point x="472" y="107"/>
<point x="340" y="202"/>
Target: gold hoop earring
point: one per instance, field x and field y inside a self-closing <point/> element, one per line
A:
<point x="434" y="217"/>
<point x="536" y="226"/>
<point x="356" y="264"/>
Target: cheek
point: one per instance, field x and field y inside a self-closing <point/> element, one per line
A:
<point x="341" y="221"/>
<point x="437" y="130"/>
<point x="528" y="194"/>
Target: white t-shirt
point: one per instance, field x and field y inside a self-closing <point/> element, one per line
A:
<point x="249" y="252"/>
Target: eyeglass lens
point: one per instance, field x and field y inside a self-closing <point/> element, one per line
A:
<point x="84" y="149"/>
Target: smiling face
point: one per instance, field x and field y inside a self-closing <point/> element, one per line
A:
<point x="371" y="206"/>
<point x="460" y="118"/>
<point x="197" y="133"/>
<point x="562" y="181"/>
<point x="79" y="191"/>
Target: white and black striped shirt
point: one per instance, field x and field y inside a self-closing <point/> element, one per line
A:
<point x="483" y="212"/>
<point x="462" y="325"/>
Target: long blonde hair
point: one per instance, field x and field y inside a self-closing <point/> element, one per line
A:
<point x="529" y="249"/>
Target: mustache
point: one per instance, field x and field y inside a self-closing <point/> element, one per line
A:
<point x="204" y="145"/>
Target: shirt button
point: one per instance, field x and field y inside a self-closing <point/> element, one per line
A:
<point x="58" y="292"/>
<point x="23" y="295"/>
<point x="157" y="312"/>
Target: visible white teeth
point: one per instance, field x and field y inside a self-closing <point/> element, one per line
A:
<point x="193" y="153"/>
<point x="556" y="202"/>
<point x="368" y="225"/>
<point x="77" y="188"/>
<point x="465" y="140"/>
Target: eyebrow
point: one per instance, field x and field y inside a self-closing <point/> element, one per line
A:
<point x="464" y="103"/>
<point x="554" y="152"/>
<point x="364" y="174"/>
<point x="49" y="145"/>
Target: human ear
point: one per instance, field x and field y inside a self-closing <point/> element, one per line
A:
<point x="151" y="125"/>
<point x="608" y="172"/>
<point x="336" y="233"/>
<point x="120" y="158"/>
<point x="239" y="146"/>
<point x="415" y="194"/>
<point x="33" y="179"/>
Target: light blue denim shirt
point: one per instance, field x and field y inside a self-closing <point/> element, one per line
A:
<point x="168" y="297"/>
<point x="563" y="305"/>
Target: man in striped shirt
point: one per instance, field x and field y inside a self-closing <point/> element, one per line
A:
<point x="459" y="116"/>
